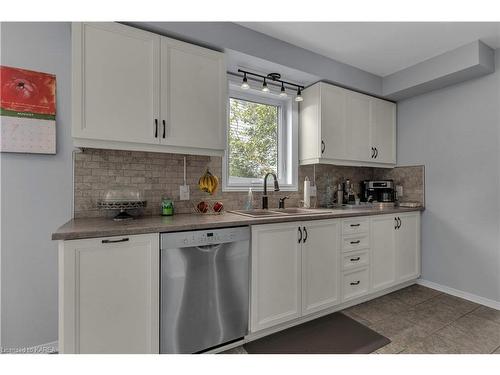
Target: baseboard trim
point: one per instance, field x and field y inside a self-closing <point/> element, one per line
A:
<point x="459" y="293"/>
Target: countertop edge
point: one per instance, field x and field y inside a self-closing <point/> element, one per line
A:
<point x="62" y="235"/>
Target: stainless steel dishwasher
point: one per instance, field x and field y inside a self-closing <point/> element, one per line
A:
<point x="204" y="288"/>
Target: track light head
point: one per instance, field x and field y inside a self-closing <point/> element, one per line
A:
<point x="283" y="92"/>
<point x="264" y="86"/>
<point x="245" y="85"/>
<point x="299" y="97"/>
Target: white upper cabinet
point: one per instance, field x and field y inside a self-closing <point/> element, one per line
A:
<point x="193" y="91"/>
<point x="358" y="126"/>
<point x="343" y="127"/>
<point x="383" y="130"/>
<point x="115" y="82"/>
<point x="136" y="90"/>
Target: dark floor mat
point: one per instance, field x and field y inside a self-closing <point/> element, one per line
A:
<point x="331" y="334"/>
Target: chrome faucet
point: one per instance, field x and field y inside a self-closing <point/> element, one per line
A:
<point x="265" y="203"/>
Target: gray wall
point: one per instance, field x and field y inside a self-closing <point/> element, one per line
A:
<point x="455" y="133"/>
<point x="228" y="35"/>
<point x="36" y="194"/>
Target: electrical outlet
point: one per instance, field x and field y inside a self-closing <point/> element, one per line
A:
<point x="184" y="192"/>
<point x="313" y="191"/>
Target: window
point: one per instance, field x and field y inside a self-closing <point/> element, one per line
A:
<point x="260" y="140"/>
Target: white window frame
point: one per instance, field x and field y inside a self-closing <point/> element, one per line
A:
<point x="287" y="138"/>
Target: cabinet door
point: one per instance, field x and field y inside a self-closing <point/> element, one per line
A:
<point x="193" y="96"/>
<point x="357" y="141"/>
<point x="109" y="295"/>
<point x="276" y="280"/>
<point x="408" y="247"/>
<point x="383" y="251"/>
<point x="383" y="130"/>
<point x="115" y="83"/>
<point x="333" y="122"/>
<point x="320" y="265"/>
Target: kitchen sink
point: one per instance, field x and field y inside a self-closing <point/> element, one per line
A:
<point x="258" y="213"/>
<point x="298" y="211"/>
<point x="279" y="212"/>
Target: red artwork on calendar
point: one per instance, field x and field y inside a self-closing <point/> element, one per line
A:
<point x="27" y="111"/>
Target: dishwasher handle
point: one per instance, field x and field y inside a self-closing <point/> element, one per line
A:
<point x="209" y="248"/>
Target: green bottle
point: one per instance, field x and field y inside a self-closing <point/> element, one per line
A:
<point x="167" y="207"/>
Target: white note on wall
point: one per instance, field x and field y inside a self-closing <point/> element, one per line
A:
<point x="27" y="135"/>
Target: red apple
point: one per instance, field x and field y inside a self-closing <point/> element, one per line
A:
<point x="218" y="206"/>
<point x="203" y="207"/>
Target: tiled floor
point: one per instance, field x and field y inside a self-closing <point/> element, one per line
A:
<point x="420" y="320"/>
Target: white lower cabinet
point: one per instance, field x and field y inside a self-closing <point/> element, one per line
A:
<point x="408" y="247"/>
<point x="320" y="265"/>
<point x="276" y="281"/>
<point x="355" y="284"/>
<point x="383" y="251"/>
<point x="295" y="270"/>
<point x="306" y="267"/>
<point x="395" y="246"/>
<point x="109" y="295"/>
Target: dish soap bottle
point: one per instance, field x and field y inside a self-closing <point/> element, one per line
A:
<point x="249" y="202"/>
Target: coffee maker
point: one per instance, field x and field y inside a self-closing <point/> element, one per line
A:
<point x="380" y="191"/>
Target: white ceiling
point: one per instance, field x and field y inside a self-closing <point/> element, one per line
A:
<point x="381" y="48"/>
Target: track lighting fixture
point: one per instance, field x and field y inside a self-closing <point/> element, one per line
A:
<point x="264" y="86"/>
<point x="245" y="85"/>
<point x="299" y="97"/>
<point x="275" y="79"/>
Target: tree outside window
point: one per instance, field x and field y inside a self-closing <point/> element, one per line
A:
<point x="253" y="138"/>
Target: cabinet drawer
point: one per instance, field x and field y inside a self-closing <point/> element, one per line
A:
<point x="355" y="226"/>
<point x="355" y="243"/>
<point x="355" y="284"/>
<point x="355" y="260"/>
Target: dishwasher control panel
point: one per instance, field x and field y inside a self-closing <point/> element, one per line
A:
<point x="203" y="237"/>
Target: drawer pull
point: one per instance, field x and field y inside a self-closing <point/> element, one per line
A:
<point x="115" y="241"/>
<point x="355" y="225"/>
<point x="355" y="259"/>
<point x="355" y="242"/>
<point x="356" y="282"/>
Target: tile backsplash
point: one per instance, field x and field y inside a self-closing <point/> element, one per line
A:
<point x="158" y="175"/>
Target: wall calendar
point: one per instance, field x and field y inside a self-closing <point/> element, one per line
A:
<point x="27" y="111"/>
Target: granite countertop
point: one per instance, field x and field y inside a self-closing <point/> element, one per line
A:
<point x="106" y="227"/>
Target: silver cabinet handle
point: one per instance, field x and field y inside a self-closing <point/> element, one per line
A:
<point x="115" y="241"/>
